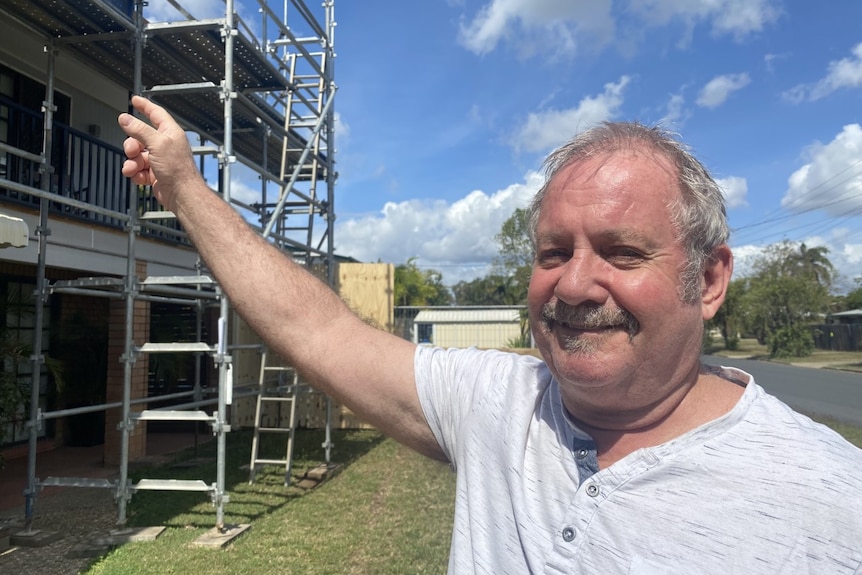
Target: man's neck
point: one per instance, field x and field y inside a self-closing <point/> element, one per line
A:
<point x="708" y="399"/>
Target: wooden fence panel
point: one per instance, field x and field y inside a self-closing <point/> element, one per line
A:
<point x="838" y="336"/>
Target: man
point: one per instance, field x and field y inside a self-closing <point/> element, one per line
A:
<point x="620" y="452"/>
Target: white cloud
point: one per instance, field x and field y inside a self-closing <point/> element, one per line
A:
<point x="743" y="259"/>
<point x="242" y="191"/>
<point x="342" y="130"/>
<point x="447" y="237"/>
<point x="560" y="26"/>
<point x="717" y="90"/>
<point x="737" y="18"/>
<point x="551" y="24"/>
<point x="832" y="178"/>
<point x="676" y="113"/>
<point x="735" y="189"/>
<point x="843" y="73"/>
<point x="769" y="61"/>
<point x="853" y="254"/>
<point x="545" y="130"/>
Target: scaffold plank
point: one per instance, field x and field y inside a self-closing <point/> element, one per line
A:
<point x="176" y="347"/>
<point x="172" y="415"/>
<point x="76" y="482"/>
<point x="172" y="485"/>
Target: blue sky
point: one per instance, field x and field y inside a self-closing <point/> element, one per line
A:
<point x="446" y="109"/>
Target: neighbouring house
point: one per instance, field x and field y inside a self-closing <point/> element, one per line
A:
<point x="849" y="316"/>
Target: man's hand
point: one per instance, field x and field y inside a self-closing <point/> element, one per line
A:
<point x="158" y="155"/>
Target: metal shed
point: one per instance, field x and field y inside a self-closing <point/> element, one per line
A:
<point x="487" y="328"/>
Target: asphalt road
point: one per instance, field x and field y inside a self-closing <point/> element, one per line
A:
<point x="826" y="392"/>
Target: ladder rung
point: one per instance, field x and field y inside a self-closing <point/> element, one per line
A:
<point x="175" y="347"/>
<point x="271" y="461"/>
<point x="274" y="429"/>
<point x="277" y="399"/>
<point x="172" y="485"/>
<point x="277" y="368"/>
<point x="172" y="415"/>
<point x="75" y="482"/>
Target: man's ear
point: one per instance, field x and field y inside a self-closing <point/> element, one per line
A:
<point x="716" y="277"/>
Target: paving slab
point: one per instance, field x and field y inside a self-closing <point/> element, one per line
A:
<point x="219" y="539"/>
<point x="135" y="534"/>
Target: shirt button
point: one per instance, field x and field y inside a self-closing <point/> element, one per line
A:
<point x="582" y="453"/>
<point x="592" y="490"/>
<point x="568" y="534"/>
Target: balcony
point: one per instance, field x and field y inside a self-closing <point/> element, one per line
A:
<point x="85" y="169"/>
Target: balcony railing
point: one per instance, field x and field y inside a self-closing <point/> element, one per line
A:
<point x="84" y="168"/>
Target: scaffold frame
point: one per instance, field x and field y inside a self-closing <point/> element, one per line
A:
<point x="255" y="94"/>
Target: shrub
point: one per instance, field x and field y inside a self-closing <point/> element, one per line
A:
<point x="791" y="341"/>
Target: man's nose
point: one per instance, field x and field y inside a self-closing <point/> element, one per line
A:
<point x="584" y="278"/>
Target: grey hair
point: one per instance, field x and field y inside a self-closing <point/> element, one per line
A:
<point x="699" y="216"/>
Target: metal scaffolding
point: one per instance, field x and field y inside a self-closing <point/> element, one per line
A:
<point x="259" y="94"/>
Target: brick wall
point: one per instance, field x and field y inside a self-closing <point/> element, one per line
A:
<point x="116" y="374"/>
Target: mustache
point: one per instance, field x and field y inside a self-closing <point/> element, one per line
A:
<point x="589" y="316"/>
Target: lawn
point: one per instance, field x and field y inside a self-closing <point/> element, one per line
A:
<point x="846" y="360"/>
<point x="388" y="511"/>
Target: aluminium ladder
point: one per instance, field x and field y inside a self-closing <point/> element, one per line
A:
<point x="282" y="394"/>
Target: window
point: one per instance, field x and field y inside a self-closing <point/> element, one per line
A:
<point x="425" y="333"/>
<point x="16" y="341"/>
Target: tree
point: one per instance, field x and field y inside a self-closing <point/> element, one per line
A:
<point x="728" y="317"/>
<point x="516" y="250"/>
<point x="415" y="287"/>
<point x="813" y="263"/>
<point x="789" y="290"/>
<point x="854" y="299"/>
<point x="489" y="290"/>
<point x="515" y="258"/>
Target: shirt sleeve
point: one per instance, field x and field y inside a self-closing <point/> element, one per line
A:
<point x="459" y="388"/>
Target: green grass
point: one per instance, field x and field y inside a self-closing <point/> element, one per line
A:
<point x="388" y="511"/>
<point x="846" y="360"/>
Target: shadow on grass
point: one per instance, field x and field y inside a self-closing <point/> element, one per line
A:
<point x="245" y="502"/>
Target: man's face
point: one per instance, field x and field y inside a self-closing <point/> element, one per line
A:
<point x="604" y="296"/>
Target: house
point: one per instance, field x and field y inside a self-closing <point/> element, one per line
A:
<point x="103" y="270"/>
<point x="849" y="316"/>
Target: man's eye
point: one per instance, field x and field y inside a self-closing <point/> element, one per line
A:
<point x="625" y="256"/>
<point x="552" y="256"/>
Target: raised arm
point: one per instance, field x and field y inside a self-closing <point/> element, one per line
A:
<point x="298" y="316"/>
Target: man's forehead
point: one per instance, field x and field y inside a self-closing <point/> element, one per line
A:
<point x="588" y="167"/>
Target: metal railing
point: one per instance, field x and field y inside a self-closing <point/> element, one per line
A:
<point x="83" y="168"/>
